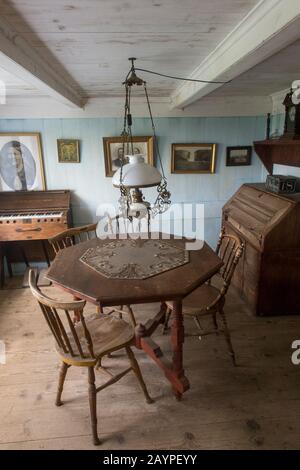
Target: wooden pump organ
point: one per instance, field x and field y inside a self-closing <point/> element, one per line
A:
<point x="32" y="215"/>
<point x="268" y="275"/>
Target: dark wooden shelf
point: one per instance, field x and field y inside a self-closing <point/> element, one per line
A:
<point x="281" y="151"/>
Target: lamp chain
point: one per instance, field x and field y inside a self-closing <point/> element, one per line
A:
<point x="154" y="132"/>
<point x="163" y="198"/>
<point x="127" y="135"/>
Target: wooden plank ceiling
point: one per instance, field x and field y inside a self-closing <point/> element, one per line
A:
<point x="90" y="40"/>
<point x="270" y="76"/>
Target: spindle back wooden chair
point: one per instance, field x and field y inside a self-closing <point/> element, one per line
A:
<point x="84" y="344"/>
<point x="72" y="236"/>
<point x="209" y="299"/>
<point x="229" y="249"/>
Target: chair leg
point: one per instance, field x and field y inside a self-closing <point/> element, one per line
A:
<point x="93" y="404"/>
<point x="99" y="309"/>
<point x="215" y="323"/>
<point x="120" y="314"/>
<point x="61" y="381"/>
<point x="227" y="335"/>
<point x="166" y="322"/>
<point x="197" y="322"/>
<point x="137" y="371"/>
<point x="131" y="315"/>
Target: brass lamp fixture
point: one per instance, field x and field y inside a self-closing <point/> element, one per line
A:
<point x="131" y="177"/>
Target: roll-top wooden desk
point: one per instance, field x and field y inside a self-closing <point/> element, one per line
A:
<point x="268" y="275"/>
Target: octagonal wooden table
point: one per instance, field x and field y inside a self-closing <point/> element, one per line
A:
<point x="71" y="274"/>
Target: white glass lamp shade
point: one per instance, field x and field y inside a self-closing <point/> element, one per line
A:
<point x="137" y="174"/>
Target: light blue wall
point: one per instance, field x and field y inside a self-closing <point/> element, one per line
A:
<point x="90" y="186"/>
<point x="277" y="124"/>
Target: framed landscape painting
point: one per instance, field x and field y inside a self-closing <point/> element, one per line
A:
<point x="113" y="151"/>
<point x="238" y="156"/>
<point x="193" y="158"/>
<point x="21" y="162"/>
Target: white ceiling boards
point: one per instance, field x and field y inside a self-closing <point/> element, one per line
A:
<point x="76" y="51"/>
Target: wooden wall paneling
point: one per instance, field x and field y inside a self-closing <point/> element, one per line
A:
<point x="90" y="186"/>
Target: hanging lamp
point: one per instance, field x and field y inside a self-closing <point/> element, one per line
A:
<point x="131" y="177"/>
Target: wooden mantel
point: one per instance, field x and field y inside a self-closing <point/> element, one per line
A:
<point x="281" y="151"/>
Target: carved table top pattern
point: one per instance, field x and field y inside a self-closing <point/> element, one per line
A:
<point x="134" y="259"/>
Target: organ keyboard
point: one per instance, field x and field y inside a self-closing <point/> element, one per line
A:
<point x="31" y="215"/>
<point x="36" y="215"/>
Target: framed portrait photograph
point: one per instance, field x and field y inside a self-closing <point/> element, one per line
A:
<point x="68" y="151"/>
<point x="238" y="156"/>
<point x="193" y="158"/>
<point x="21" y="162"/>
<point x="113" y="151"/>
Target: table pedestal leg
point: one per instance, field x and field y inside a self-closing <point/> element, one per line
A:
<point x="177" y="340"/>
<point x="172" y="370"/>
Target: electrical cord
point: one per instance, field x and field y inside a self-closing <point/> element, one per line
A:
<point x="181" y="78"/>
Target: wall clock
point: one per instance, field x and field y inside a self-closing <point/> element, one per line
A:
<point x="292" y="118"/>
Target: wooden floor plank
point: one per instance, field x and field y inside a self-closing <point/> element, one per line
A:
<point x="253" y="406"/>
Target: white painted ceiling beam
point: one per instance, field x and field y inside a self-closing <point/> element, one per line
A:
<point x="35" y="107"/>
<point x="269" y="27"/>
<point x="20" y="59"/>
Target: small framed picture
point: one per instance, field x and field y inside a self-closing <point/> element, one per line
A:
<point x="68" y="150"/>
<point x="238" y="156"/>
<point x="113" y="151"/>
<point x="193" y="158"/>
<point x="21" y="162"/>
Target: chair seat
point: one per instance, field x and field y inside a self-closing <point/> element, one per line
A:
<point x="198" y="300"/>
<point x="108" y="333"/>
